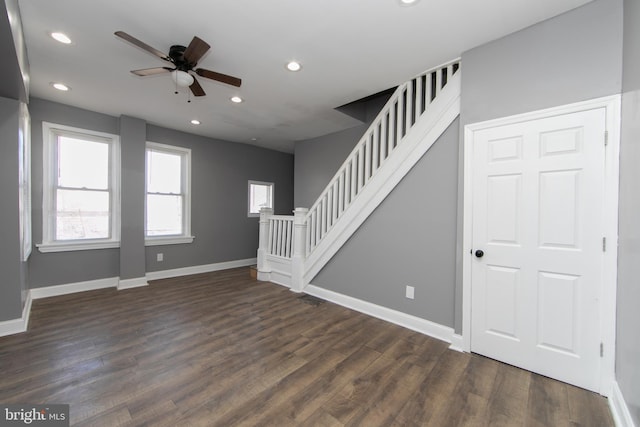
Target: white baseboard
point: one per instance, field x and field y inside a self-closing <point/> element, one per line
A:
<point x="136" y="282"/>
<point x="197" y="269"/>
<point x="71" y="288"/>
<point x="16" y="326"/>
<point x="457" y="343"/>
<point x="618" y="407"/>
<point x="408" y="321"/>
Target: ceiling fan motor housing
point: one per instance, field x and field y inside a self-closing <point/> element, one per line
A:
<point x="176" y="53"/>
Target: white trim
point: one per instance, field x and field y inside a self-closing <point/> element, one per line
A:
<point x="457" y="343"/>
<point x="163" y="240"/>
<point x="272" y="189"/>
<point x="136" y="282"/>
<point x="197" y="269"/>
<point x="76" y="246"/>
<point x="619" y="409"/>
<point x="16" y="326"/>
<point x="72" y="288"/>
<point x="49" y="244"/>
<point x="611" y="104"/>
<point x="405" y="320"/>
<point x="185" y="188"/>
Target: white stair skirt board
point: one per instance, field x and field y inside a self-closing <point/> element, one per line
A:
<point x="618" y="407"/>
<point x="280" y="271"/>
<point x="136" y="282"/>
<point x="16" y="326"/>
<point x="426" y="327"/>
<point x="198" y="269"/>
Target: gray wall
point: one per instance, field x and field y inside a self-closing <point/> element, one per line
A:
<point x="408" y="240"/>
<point x="318" y="159"/>
<point x="64" y="267"/>
<point x="569" y="58"/>
<point x="11" y="278"/>
<point x="220" y="174"/>
<point x="628" y="338"/>
<point x="220" y="171"/>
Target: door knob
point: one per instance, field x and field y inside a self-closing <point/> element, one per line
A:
<point x="479" y="253"/>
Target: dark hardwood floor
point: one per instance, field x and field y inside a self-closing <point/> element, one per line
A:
<point x="221" y="349"/>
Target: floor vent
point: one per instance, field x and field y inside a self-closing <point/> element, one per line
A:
<point x="311" y="300"/>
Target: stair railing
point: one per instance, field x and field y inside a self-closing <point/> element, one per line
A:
<point x="293" y="238"/>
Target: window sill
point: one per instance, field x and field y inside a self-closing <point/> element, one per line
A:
<point x="76" y="246"/>
<point x="161" y="241"/>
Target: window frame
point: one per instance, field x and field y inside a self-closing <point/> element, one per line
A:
<point x="272" y="188"/>
<point x="50" y="134"/>
<point x="185" y="188"/>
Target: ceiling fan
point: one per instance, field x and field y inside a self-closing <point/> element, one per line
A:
<point x="183" y="61"/>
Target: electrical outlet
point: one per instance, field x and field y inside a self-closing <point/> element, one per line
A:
<point x="409" y="292"/>
<point x="160" y="257"/>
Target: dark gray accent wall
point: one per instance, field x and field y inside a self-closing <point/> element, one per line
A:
<point x="317" y="160"/>
<point x="133" y="133"/>
<point x="220" y="173"/>
<point x="57" y="268"/>
<point x="628" y="315"/>
<point x="10" y="261"/>
<point x="408" y="240"/>
<point x="573" y="57"/>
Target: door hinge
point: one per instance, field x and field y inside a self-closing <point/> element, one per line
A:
<point x="601" y="350"/>
<point x="606" y="138"/>
<point x="604" y="244"/>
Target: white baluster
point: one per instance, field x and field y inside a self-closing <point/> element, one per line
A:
<point x="409" y="110"/>
<point x="419" y="93"/>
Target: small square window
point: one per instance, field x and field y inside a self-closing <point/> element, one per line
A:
<point x="260" y="196"/>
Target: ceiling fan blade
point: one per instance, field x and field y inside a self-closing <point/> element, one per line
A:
<point x="151" y="71"/>
<point x="142" y="45"/>
<point x="230" y="80"/>
<point x="196" y="89"/>
<point x="195" y="50"/>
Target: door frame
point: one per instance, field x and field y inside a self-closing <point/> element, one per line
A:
<point x="611" y="104"/>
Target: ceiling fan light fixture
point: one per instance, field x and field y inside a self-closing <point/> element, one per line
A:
<point x="61" y="37"/>
<point x="182" y="78"/>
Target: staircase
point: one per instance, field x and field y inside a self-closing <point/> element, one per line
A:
<point x="293" y="249"/>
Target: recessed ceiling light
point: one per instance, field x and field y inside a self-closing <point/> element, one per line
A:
<point x="254" y="139"/>
<point x="61" y="37"/>
<point x="236" y="99"/>
<point x="61" y="86"/>
<point x="195" y="122"/>
<point x="294" y="66"/>
<point x="408" y="2"/>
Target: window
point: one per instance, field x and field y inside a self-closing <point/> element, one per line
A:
<point x="81" y="189"/>
<point x="168" y="204"/>
<point x="260" y="196"/>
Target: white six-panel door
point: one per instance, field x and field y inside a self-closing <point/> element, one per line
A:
<point x="538" y="189"/>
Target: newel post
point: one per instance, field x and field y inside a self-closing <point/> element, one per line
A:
<point x="299" y="249"/>
<point x="264" y="269"/>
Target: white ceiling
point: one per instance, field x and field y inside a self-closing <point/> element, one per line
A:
<point x="349" y="49"/>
